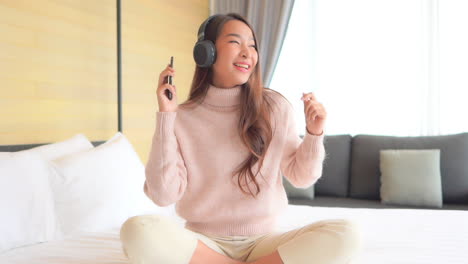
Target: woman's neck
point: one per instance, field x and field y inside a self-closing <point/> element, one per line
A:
<point x="222" y="85"/>
<point x="223" y="98"/>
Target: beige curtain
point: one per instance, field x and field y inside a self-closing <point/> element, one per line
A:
<point x="269" y="18"/>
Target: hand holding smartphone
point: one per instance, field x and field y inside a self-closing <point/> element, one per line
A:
<point x="169" y="80"/>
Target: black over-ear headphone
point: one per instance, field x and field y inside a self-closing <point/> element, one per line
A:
<point x="204" y="51"/>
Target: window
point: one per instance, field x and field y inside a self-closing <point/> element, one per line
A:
<point x="379" y="67"/>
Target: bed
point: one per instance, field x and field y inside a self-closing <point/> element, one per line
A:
<point x="389" y="235"/>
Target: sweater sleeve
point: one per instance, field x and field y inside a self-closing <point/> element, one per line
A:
<point x="302" y="159"/>
<point x="166" y="174"/>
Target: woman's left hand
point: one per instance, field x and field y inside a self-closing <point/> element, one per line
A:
<point x="315" y="114"/>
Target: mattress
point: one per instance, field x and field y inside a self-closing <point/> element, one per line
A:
<point x="389" y="236"/>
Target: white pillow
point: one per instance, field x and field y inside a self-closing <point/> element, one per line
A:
<point x="100" y="188"/>
<point x="411" y="177"/>
<point x="52" y="151"/>
<point x="27" y="212"/>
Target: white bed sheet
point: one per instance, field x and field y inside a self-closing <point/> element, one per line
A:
<point x="389" y="236"/>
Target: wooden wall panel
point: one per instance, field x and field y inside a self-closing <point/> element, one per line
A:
<point x="152" y="32"/>
<point x="57" y="70"/>
<point x="58" y="73"/>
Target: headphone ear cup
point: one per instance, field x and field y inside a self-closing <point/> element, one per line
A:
<point x="204" y="53"/>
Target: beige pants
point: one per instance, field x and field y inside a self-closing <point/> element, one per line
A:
<point x="153" y="239"/>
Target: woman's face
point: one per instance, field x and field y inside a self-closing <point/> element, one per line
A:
<point x="236" y="55"/>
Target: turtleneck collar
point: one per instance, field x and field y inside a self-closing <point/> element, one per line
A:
<point x="222" y="98"/>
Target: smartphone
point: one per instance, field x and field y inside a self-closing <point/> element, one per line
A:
<point x="169" y="80"/>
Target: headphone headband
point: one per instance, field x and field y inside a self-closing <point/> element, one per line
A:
<point x="201" y="30"/>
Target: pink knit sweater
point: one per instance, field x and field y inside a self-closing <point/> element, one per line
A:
<point x="195" y="150"/>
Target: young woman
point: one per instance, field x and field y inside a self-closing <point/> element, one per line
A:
<point x="220" y="157"/>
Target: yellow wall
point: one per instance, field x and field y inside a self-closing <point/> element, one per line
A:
<point x="153" y="32"/>
<point x="58" y="73"/>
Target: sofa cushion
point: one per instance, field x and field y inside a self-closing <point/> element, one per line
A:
<point x="365" y="175"/>
<point x="328" y="201"/>
<point x="325" y="201"/>
<point x="297" y="193"/>
<point x="336" y="167"/>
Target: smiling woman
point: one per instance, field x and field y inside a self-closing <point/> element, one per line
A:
<point x="221" y="156"/>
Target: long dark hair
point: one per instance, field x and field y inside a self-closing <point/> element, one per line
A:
<point x="254" y="126"/>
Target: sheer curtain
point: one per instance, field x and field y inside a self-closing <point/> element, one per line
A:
<point x="380" y="67"/>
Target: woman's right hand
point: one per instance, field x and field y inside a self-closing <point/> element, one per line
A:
<point x="166" y="105"/>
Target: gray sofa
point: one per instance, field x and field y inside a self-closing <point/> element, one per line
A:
<point x="351" y="173"/>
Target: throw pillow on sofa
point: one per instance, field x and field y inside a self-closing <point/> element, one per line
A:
<point x="411" y="177"/>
